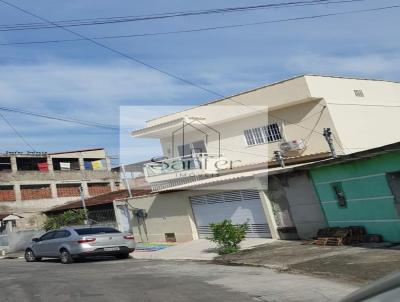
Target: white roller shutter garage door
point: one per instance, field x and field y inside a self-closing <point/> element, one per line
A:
<point x="238" y="206"/>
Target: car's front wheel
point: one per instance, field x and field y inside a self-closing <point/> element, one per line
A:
<point x="65" y="257"/>
<point x="30" y="256"/>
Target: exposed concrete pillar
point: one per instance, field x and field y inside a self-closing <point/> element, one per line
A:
<point x="50" y="163"/>
<point x="108" y="163"/>
<point x="53" y="189"/>
<point x="17" y="190"/>
<point x="81" y="163"/>
<point x="13" y="160"/>
<point x="267" y="206"/>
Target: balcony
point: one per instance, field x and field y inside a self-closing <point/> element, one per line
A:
<point x="170" y="172"/>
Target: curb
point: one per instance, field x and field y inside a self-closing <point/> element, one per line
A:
<point x="11" y="257"/>
<point x="280" y="268"/>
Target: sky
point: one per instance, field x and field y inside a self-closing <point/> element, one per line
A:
<point x="81" y="80"/>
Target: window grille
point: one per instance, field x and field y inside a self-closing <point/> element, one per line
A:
<point x="261" y="135"/>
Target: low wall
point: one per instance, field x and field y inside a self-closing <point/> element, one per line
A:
<point x="18" y="240"/>
<point x="3" y="240"/>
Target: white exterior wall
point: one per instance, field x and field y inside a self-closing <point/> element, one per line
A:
<point x="167" y="213"/>
<point x="295" y="101"/>
<point x="358" y="122"/>
<point x="296" y="122"/>
<point x="274" y="96"/>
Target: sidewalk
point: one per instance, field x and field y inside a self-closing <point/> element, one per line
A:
<point x="201" y="249"/>
<point x="356" y="264"/>
<point x="13" y="255"/>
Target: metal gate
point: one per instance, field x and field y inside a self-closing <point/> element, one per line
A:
<point x="238" y="206"/>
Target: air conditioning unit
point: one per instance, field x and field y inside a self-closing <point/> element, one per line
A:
<point x="293" y="145"/>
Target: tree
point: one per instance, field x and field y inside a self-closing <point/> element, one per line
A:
<point x="70" y="217"/>
<point x="228" y="235"/>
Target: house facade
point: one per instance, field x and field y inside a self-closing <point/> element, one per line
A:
<point x="219" y="159"/>
<point x="362" y="189"/>
<point x="34" y="182"/>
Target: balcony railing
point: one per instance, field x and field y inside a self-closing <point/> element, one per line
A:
<point x="184" y="167"/>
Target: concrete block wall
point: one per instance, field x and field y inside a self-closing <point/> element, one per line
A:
<point x="26" y="191"/>
<point x="98" y="188"/>
<point x="32" y="192"/>
<point x="68" y="190"/>
<point x="7" y="193"/>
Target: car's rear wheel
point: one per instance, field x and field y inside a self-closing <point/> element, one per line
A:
<point x="122" y="256"/>
<point x="30" y="256"/>
<point x="65" y="257"/>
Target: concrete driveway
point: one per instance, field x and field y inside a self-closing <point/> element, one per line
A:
<point x="201" y="249"/>
<point x="364" y="263"/>
<point x="157" y="280"/>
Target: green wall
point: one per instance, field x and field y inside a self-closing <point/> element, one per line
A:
<point x="369" y="199"/>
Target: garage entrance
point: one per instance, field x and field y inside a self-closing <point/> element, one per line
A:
<point x="238" y="206"/>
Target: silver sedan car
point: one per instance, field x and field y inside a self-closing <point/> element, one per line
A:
<point x="69" y="243"/>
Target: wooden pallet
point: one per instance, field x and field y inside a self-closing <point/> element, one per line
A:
<point x="333" y="241"/>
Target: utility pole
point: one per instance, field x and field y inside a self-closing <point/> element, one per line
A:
<point x="84" y="204"/>
<point x="328" y="137"/>
<point x="279" y="158"/>
<point x="128" y="187"/>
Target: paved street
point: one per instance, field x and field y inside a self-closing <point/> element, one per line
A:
<point x="155" y="280"/>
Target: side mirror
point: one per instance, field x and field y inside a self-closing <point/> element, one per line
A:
<point x="35" y="239"/>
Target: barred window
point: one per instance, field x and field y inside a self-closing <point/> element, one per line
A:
<point x="272" y="132"/>
<point x="265" y="134"/>
<point x="249" y="137"/>
<point x="258" y="135"/>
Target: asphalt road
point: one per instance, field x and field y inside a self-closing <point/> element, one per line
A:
<point x="155" y="280"/>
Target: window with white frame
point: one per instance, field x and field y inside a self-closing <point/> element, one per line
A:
<point x="266" y="134"/>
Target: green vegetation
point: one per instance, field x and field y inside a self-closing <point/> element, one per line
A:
<point x="228" y="235"/>
<point x="70" y="217"/>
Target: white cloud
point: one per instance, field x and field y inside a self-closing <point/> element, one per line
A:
<point x="83" y="84"/>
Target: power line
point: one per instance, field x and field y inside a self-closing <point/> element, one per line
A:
<point x="168" y="73"/>
<point x="58" y="118"/>
<point x="16" y="132"/>
<point x="111" y="49"/>
<point x="113" y="20"/>
<point x="201" y="29"/>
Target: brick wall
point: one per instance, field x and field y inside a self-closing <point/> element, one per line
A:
<point x="7" y="193"/>
<point x="98" y="188"/>
<point x="68" y="190"/>
<point x="35" y="192"/>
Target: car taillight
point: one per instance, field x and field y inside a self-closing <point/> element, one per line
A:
<point x="86" y="240"/>
<point x="129" y="237"/>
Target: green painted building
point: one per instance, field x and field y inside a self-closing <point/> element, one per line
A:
<point x="362" y="189"/>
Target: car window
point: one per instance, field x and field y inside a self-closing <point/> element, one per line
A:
<point x="96" y="230"/>
<point x="48" y="236"/>
<point x="62" y="234"/>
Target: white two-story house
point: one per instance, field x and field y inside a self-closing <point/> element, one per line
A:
<point x="217" y="155"/>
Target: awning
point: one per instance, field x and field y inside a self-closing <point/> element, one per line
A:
<point x="234" y="177"/>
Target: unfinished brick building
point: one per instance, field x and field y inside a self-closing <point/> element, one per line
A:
<point x="34" y="182"/>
